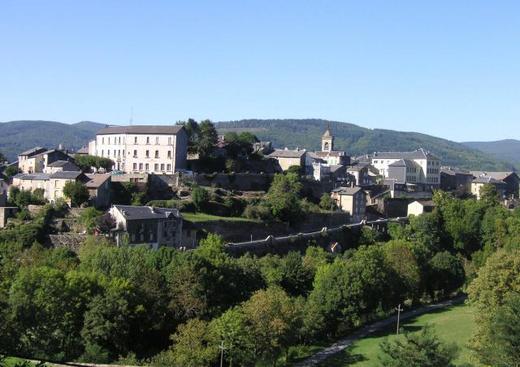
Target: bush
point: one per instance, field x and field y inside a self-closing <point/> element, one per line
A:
<point x="200" y="197"/>
<point x="326" y="202"/>
<point x="77" y="192"/>
<point x="258" y="211"/>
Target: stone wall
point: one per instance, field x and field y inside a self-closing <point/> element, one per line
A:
<point x="345" y="235"/>
<point x="236" y="181"/>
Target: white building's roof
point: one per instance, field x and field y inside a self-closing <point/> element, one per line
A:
<point x="142" y="129"/>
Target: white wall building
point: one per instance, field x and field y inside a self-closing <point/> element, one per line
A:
<point x="142" y="149"/>
<point x="425" y="170"/>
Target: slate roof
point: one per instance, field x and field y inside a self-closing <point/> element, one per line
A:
<point x="64" y="164"/>
<point x="67" y="175"/>
<point x="488" y="180"/>
<point x="327" y="134"/>
<point x="334" y="153"/>
<point x="287" y="153"/>
<point x="82" y="150"/>
<point x="496" y="175"/>
<point x="146" y="212"/>
<point x="32" y="176"/>
<point x="455" y="171"/>
<point x="403" y="163"/>
<point x="33" y="151"/>
<point x="347" y="190"/>
<point x="416" y="154"/>
<point x="141" y="129"/>
<point x="97" y="179"/>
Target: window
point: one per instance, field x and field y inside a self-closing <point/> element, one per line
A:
<point x="140" y="166"/>
<point x="169" y="154"/>
<point x="102" y="152"/>
<point x="135" y="139"/>
<point x="168" y="167"/>
<point x="162" y="166"/>
<point x="156" y="140"/>
<point x="119" y="140"/>
<point x="156" y="167"/>
<point x="119" y="152"/>
<point x="147" y="140"/>
<point x="108" y="153"/>
<point x="135" y="166"/>
<point x="169" y="140"/>
<point x="147" y="154"/>
<point x="147" y="167"/>
<point x="102" y="140"/>
<point x="156" y="154"/>
<point x="135" y="153"/>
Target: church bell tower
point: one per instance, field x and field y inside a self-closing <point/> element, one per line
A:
<point x="327" y="141"/>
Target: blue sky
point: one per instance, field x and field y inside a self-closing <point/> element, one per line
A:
<point x="447" y="68"/>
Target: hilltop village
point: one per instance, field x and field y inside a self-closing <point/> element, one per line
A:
<point x="185" y="245"/>
<point x="173" y="185"/>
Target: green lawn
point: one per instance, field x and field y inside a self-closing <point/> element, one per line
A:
<point x="202" y="217"/>
<point x="454" y="325"/>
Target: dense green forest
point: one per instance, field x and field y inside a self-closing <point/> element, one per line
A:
<point x="174" y="308"/>
<point x="17" y="136"/>
<point x="357" y="140"/>
<point x="507" y="150"/>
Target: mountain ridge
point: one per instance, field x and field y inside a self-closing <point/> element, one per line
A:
<point x="357" y="140"/>
<point x="20" y="135"/>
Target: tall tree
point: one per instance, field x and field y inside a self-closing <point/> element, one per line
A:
<point x="283" y="197"/>
<point x="207" y="139"/>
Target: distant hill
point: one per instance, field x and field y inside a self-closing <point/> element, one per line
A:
<point x="507" y="150"/>
<point x="357" y="140"/>
<point x="17" y="136"/>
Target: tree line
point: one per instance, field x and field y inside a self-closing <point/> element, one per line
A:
<point x="174" y="308"/>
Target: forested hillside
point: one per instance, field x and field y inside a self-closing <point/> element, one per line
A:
<point x="507" y="150"/>
<point x="358" y="140"/>
<point x="17" y="136"/>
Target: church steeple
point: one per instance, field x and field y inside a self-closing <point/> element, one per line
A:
<point x="327" y="141"/>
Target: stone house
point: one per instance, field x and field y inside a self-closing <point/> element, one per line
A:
<point x="363" y="173"/>
<point x="146" y="225"/>
<point x="351" y="200"/>
<point x="510" y="179"/>
<point x="287" y="158"/>
<point x="99" y="189"/>
<point x="478" y="183"/>
<point x="453" y="179"/>
<point x="54" y="183"/>
<point x="36" y="159"/>
<point x="60" y="166"/>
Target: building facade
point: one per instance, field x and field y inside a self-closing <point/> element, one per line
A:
<point x="417" y="167"/>
<point x="351" y="200"/>
<point x="36" y="159"/>
<point x="142" y="149"/>
<point x="147" y="225"/>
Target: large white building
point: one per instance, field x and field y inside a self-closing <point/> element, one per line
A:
<point x="143" y="149"/>
<point x="417" y="167"/>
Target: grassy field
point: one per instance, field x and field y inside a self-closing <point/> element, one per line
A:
<point x="453" y="325"/>
<point x="202" y="217"/>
